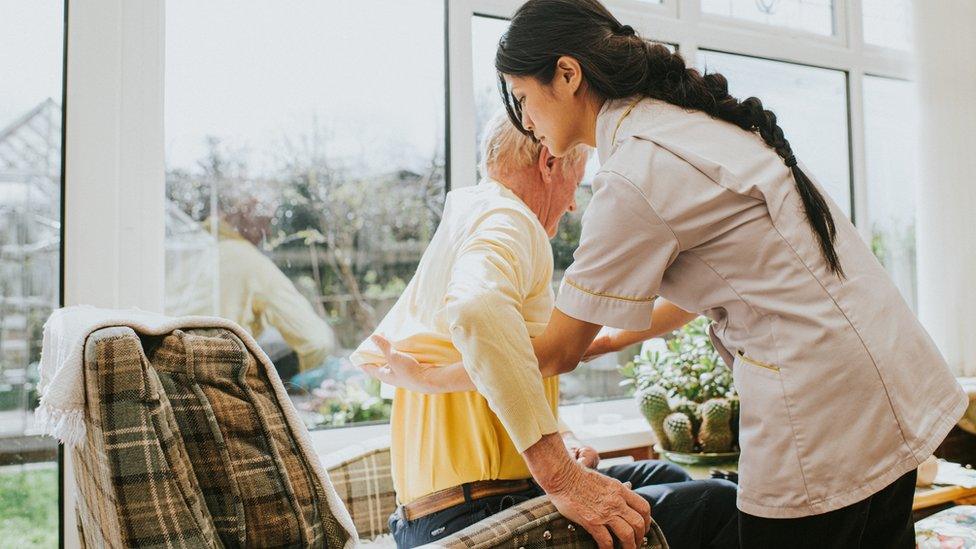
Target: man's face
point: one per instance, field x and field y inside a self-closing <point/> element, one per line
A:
<point x="564" y="179"/>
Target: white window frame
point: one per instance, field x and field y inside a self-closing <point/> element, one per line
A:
<point x="114" y="167"/>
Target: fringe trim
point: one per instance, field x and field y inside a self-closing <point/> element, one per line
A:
<point x="68" y="426"/>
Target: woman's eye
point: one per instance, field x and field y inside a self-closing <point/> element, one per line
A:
<point x="521" y="101"/>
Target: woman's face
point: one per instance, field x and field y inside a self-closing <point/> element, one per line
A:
<point x="555" y="113"/>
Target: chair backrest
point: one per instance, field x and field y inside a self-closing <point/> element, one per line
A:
<point x="188" y="445"/>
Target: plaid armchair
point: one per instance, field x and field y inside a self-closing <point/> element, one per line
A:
<point x="365" y="485"/>
<point x="188" y="444"/>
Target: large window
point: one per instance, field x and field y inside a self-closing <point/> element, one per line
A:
<point x="31" y="45"/>
<point x="305" y="176"/>
<point x="810" y="105"/>
<point x="310" y="146"/>
<point x="891" y="145"/>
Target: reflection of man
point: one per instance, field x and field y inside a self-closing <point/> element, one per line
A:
<point x="250" y="289"/>
<point x="481" y="292"/>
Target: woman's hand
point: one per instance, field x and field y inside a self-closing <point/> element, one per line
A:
<point x="401" y="369"/>
<point x="601" y="345"/>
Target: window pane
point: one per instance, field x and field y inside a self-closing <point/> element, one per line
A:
<point x="31" y="42"/>
<point x="810" y="105"/>
<point x="891" y="142"/>
<point x="300" y="207"/>
<point x="888" y="23"/>
<point x="815" y="16"/>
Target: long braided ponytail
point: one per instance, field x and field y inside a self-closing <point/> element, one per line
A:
<point x="617" y="63"/>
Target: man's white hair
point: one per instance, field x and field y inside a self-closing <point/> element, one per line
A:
<point x="505" y="147"/>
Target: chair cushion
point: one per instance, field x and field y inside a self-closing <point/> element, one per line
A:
<point x="237" y="431"/>
<point x="188" y="446"/>
<point x="135" y="483"/>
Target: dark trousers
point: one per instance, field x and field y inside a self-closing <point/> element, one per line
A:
<point x="691" y="513"/>
<point x="881" y="521"/>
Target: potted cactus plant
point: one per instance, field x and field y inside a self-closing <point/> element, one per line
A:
<point x="686" y="394"/>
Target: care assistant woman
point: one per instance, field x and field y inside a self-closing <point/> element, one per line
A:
<point x="700" y="200"/>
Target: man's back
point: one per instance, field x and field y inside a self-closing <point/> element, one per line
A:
<point x="489" y="243"/>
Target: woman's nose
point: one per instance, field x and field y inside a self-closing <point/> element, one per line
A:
<point x="527" y="122"/>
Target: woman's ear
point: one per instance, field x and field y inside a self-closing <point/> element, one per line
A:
<point x="569" y="73"/>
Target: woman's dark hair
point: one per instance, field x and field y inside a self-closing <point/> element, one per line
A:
<point x="617" y="63"/>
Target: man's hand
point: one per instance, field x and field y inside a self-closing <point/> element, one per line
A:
<point x="600" y="504"/>
<point x="604" y="506"/>
<point x="401" y="369"/>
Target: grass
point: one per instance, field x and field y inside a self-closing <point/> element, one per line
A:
<point x="29" y="507"/>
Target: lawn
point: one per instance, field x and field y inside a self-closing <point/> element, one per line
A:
<point x="29" y="506"/>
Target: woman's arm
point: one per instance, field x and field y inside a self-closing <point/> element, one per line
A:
<point x="666" y="318"/>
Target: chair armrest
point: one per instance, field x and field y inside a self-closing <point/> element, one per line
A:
<point x="365" y="484"/>
<point x="534" y="523"/>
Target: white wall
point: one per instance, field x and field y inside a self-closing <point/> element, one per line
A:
<point x="946" y="74"/>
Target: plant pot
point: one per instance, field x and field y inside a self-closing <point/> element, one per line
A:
<point x="698" y="458"/>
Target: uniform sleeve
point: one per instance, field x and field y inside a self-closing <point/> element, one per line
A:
<point x="282" y="306"/>
<point x="489" y="282"/>
<point x="624" y="249"/>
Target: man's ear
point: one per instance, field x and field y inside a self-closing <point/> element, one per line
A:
<point x="546" y="163"/>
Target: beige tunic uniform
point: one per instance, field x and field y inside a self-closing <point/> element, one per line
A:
<point x="842" y="390"/>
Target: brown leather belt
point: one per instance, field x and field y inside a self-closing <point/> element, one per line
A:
<point x="456" y="495"/>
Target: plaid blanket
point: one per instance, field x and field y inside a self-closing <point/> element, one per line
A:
<point x="188" y="446"/>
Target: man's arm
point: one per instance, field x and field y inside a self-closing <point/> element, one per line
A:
<point x="483" y="308"/>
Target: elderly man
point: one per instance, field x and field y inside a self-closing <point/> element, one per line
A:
<point x="482" y="292"/>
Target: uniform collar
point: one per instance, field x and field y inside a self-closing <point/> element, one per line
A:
<point x="608" y="121"/>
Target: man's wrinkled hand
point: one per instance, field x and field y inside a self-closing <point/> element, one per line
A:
<point x="605" y="507"/>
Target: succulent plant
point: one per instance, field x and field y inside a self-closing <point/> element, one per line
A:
<point x="655" y="408"/>
<point x="715" y="434"/>
<point x="682" y="379"/>
<point x="679" y="433"/>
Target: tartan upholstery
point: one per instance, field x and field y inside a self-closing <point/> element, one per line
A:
<point x="533" y="524"/>
<point x="221" y="466"/>
<point x="135" y="485"/>
<point x="365" y="486"/>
